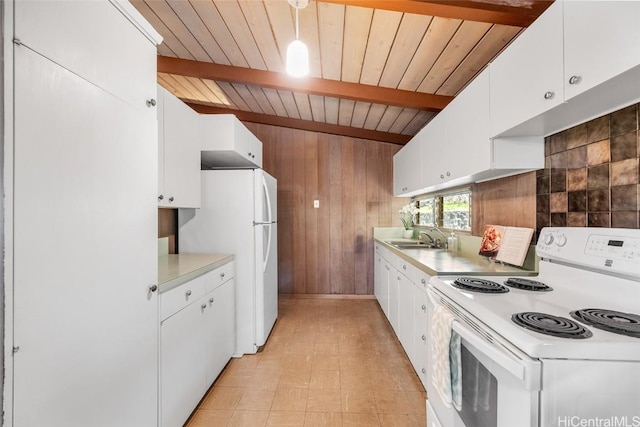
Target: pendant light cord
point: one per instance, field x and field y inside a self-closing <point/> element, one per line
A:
<point x="297" y="31"/>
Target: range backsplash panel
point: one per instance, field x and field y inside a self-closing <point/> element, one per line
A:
<point x="591" y="176"/>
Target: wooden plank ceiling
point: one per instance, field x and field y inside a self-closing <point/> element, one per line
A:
<point x="379" y="69"/>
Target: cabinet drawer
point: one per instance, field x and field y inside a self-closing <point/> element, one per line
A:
<point x="219" y="276"/>
<point x="177" y="298"/>
<point x="408" y="270"/>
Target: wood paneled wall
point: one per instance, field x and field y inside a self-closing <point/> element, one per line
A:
<point x="328" y="250"/>
<point x="509" y="201"/>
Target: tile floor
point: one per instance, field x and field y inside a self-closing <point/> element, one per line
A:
<point x="328" y="362"/>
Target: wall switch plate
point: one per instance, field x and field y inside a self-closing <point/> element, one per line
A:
<point x="316" y="204"/>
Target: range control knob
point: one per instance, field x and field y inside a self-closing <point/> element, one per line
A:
<point x="547" y="239"/>
<point x="561" y="240"/>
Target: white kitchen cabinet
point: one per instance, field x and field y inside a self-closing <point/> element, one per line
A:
<point x="407" y="167"/>
<point x="105" y="42"/>
<point x="178" y="153"/>
<point x="220" y="329"/>
<point x="183" y="379"/>
<point x="560" y="73"/>
<point x="81" y="203"/>
<point x="197" y="338"/>
<point x="405" y="314"/>
<point x="420" y="337"/>
<point x="527" y="78"/>
<point x="226" y="143"/>
<point x="381" y="280"/>
<point x="463" y="127"/>
<point x="394" y="283"/>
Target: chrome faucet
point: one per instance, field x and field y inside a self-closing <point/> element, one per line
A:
<point x="431" y="239"/>
<point x="441" y="233"/>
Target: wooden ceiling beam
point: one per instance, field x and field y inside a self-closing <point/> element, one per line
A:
<point x="521" y="13"/>
<point x="310" y="85"/>
<point x="265" y="119"/>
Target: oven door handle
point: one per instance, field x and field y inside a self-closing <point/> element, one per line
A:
<point x="518" y="365"/>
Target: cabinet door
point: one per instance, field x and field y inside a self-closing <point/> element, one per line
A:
<point x="84" y="252"/>
<point x="94" y="40"/>
<point x="220" y="328"/>
<point x="407" y="168"/>
<point x="181" y="152"/>
<point x="394" y="280"/>
<point x="597" y="56"/>
<point x="405" y="314"/>
<point x="182" y="363"/>
<point x="526" y="79"/>
<point x="468" y="146"/>
<point x="420" y="338"/>
<point x="433" y="149"/>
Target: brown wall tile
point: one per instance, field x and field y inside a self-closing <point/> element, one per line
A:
<point x="625" y="198"/>
<point x="543" y="203"/>
<point x="556" y="143"/>
<point x="559" y="219"/>
<point x="576" y="219"/>
<point x="598" y="129"/>
<point x="576" y="136"/>
<point x="558" y="202"/>
<point x="598" y="219"/>
<point x="624" y="172"/>
<point x="624" y="146"/>
<point x="558" y="160"/>
<point x="625" y="120"/>
<point x="624" y="219"/>
<point x="598" y="200"/>
<point x="559" y="181"/>
<point x="543" y="184"/>
<point x="598" y="152"/>
<point x="598" y="176"/>
<point x="577" y="201"/>
<point x="577" y="179"/>
<point x="577" y="157"/>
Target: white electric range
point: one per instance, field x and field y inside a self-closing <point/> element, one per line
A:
<point x="511" y="372"/>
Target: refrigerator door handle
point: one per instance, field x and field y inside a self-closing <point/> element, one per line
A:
<point x="266" y="255"/>
<point x="268" y="199"/>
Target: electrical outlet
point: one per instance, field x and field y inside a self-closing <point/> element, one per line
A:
<point x="316" y="204"/>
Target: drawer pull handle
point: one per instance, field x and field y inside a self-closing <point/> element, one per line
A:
<point x="424" y="338"/>
<point x="404" y="267"/>
<point x="188" y="293"/>
<point x="574" y="80"/>
<point x="222" y="275"/>
<point x="548" y="95"/>
<point x="203" y="306"/>
<point x="424" y="371"/>
<point x="424" y="282"/>
<point x="424" y="307"/>
<point x="211" y="300"/>
<point x="153" y="288"/>
<point x="161" y="197"/>
<point x="151" y="103"/>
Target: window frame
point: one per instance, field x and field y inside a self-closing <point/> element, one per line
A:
<point x="438" y="209"/>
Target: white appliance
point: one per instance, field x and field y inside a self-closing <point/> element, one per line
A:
<point x="514" y="375"/>
<point x="238" y="215"/>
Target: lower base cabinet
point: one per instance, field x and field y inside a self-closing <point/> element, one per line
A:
<point x="401" y="288"/>
<point x="197" y="337"/>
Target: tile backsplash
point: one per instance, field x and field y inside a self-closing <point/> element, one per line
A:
<point x="591" y="176"/>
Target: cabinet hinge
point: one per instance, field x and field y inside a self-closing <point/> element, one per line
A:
<point x="17" y="41"/>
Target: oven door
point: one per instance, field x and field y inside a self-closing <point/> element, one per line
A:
<point x="500" y="384"/>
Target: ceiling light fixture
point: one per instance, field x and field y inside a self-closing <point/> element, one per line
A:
<point x="297" y="52"/>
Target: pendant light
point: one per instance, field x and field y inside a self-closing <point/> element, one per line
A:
<point x="297" y="52"/>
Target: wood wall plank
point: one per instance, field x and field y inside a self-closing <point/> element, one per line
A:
<point x="327" y="250"/>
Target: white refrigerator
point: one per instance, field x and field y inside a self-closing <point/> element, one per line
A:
<point x="238" y="215"/>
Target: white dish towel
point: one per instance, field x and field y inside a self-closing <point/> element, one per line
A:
<point x="442" y="321"/>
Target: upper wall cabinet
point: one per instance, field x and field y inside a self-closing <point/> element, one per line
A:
<point x="560" y="72"/>
<point x="407" y="168"/>
<point x="178" y="153"/>
<point x="228" y="144"/>
<point x="526" y="79"/>
<point x="457" y="148"/>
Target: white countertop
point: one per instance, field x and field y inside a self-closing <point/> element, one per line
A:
<point x="439" y="262"/>
<point x="174" y="270"/>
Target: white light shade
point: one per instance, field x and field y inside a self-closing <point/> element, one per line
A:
<point x="297" y="59"/>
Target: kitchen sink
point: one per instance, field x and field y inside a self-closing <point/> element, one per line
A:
<point x="403" y="244"/>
